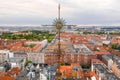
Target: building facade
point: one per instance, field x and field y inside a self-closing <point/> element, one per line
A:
<point x="36" y="57"/>
<point x="84" y="59"/>
<point x="4" y="55"/>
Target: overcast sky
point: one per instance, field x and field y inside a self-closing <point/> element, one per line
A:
<point x="36" y="12"/>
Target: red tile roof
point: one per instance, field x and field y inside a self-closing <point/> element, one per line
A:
<point x="99" y="52"/>
<point x="96" y="61"/>
<point x="10" y="74"/>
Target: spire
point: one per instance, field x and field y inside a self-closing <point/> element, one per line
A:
<point x="59" y="11"/>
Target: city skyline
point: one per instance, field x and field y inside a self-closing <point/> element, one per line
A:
<point x="29" y="12"/>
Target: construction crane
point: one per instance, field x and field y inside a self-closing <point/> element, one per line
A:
<point x="59" y="23"/>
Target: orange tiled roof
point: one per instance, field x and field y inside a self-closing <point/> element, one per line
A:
<point x="96" y="61"/>
<point x="18" y="46"/>
<point x="75" y="64"/>
<point x="99" y="52"/>
<point x="91" y="74"/>
<point x="10" y="74"/>
<point x="68" y="72"/>
<point x="14" y="71"/>
<point x="65" y="68"/>
<point x="6" y="78"/>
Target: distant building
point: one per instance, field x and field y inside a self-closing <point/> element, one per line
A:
<point x="116" y="40"/>
<point x="22" y="33"/>
<point x="106" y="42"/>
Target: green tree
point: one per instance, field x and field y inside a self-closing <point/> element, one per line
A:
<point x="27" y="62"/>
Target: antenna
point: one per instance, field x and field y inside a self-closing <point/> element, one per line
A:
<point x="59" y="11"/>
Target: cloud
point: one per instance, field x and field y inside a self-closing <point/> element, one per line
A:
<point x="74" y="11"/>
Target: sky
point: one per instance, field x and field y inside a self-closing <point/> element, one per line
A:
<point x="37" y="12"/>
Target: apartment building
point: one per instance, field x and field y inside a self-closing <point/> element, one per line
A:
<point x="36" y="57"/>
<point x="113" y="63"/>
<point x="103" y="72"/>
<point x="4" y="55"/>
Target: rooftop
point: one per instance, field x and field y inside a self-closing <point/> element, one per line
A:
<point x="4" y="51"/>
<point x="15" y="59"/>
<point x="82" y="49"/>
<point x="103" y="70"/>
<point x="115" y="58"/>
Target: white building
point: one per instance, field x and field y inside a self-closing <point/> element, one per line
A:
<point x="108" y="61"/>
<point x="106" y="42"/>
<point x="36" y="57"/>
<point x="2" y="70"/>
<point x="4" y="55"/>
<point x="43" y="77"/>
<point x="17" y="62"/>
<point x="44" y="43"/>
